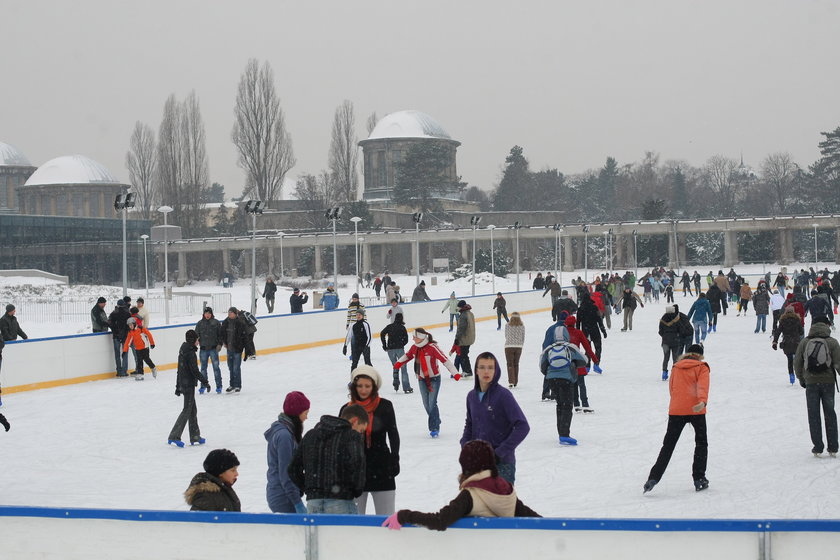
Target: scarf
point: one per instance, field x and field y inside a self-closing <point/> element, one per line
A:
<point x="369" y="404"/>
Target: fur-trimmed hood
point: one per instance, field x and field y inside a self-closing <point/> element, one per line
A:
<point x="208" y="493"/>
<point x="691" y="356"/>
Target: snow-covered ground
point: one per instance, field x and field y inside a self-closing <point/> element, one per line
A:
<point x="102" y="444"/>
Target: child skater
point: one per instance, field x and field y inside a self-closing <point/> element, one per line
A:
<point x="141" y="339"/>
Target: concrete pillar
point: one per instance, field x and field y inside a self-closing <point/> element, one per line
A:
<point x="681" y="250"/>
<point x="730" y="248"/>
<point x="568" y="263"/>
<point x="784" y="245"/>
<point x="225" y="260"/>
<point x="181" y="281"/>
<point x="366" y="258"/>
<point x="465" y="251"/>
<point x="270" y="271"/>
<point x="413" y="258"/>
<point x="619" y="248"/>
<point x="245" y="271"/>
<point x="837" y="246"/>
<point x="319" y="272"/>
<point x="672" y="250"/>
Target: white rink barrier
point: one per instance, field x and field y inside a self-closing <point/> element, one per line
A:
<point x="81" y="534"/>
<point x="50" y="362"/>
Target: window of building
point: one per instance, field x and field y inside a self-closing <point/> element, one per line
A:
<point x="381" y="170"/>
<point x="78" y="205"/>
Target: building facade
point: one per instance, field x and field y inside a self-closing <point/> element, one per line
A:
<point x="15" y="169"/>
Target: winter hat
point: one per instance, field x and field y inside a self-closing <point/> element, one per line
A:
<point x="462" y="303"/>
<point x="476" y="456"/>
<point x="570" y="321"/>
<point x="354" y="296"/>
<point x="422" y="282"/>
<point x="367" y="371"/>
<point x="121" y="303"/>
<point x="295" y="404"/>
<point x="452" y="295"/>
<point x="208" y="310"/>
<point x="695" y="349"/>
<point x="10" y="307"/>
<point x="394" y="300"/>
<point x="101" y="300"/>
<point x="127" y="299"/>
<point x="220" y="460"/>
<point x="233" y="310"/>
<point x="669" y="309"/>
<point x="296" y="290"/>
<point x="191" y="336"/>
<point x="498" y="293"/>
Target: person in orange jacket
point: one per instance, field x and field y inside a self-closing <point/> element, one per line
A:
<point x="142" y="340"/>
<point x="689" y="387"/>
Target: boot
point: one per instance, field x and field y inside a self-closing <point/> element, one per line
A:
<point x="701" y="484"/>
<point x="649" y="485"/>
<point x="665" y="375"/>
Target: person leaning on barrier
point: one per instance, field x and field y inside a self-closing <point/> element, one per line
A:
<point x="9" y="327"/>
<point x="98" y="317"/>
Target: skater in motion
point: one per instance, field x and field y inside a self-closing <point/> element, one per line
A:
<point x="188" y="376"/>
<point x="689" y="388"/>
<point x="816" y="360"/>
<point x="141" y="340"/>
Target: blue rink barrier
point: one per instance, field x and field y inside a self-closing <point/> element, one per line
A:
<point x="35" y="532"/>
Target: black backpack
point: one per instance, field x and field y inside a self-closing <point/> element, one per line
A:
<point x="817" y="355"/>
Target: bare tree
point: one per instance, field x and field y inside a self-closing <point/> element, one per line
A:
<point x="169" y="151"/>
<point x="721" y="178"/>
<point x="344" y="152"/>
<point x="259" y="132"/>
<point x="141" y="161"/>
<point x="371" y="122"/>
<point x="317" y="193"/>
<point x="777" y="171"/>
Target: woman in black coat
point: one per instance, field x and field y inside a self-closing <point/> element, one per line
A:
<point x="790" y="329"/>
<point x="394" y="337"/>
<point x="382" y="464"/>
<point x="714" y="296"/>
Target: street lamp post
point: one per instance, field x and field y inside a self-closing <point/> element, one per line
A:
<point x="606" y="251"/>
<point x="491" y="227"/>
<point x="333" y="214"/>
<point x="254" y="207"/>
<point x="356" y="220"/>
<point x="516" y="228"/>
<point x="585" y="253"/>
<point x="635" y="254"/>
<point x="474" y="221"/>
<point x="165" y="210"/>
<point x="144" y="237"/>
<point x="122" y="203"/>
<point x="281" y="234"/>
<point x="610" y="251"/>
<point x="815" y="245"/>
<point x="418" y="217"/>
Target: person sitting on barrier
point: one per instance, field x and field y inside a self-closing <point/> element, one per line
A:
<point x="483" y="493"/>
<point x="212" y="490"/>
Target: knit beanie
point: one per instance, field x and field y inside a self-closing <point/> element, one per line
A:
<point x="10" y="307"/>
<point x="220" y="460"/>
<point x="208" y="310"/>
<point x="101" y="300"/>
<point x="695" y="349"/>
<point x="233" y="310"/>
<point x="191" y="336"/>
<point x="295" y="404"/>
<point x="462" y="303"/>
<point x="476" y="456"/>
<point x="367" y="371"/>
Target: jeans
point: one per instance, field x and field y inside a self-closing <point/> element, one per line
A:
<point x="120" y="358"/>
<point x="234" y="361"/>
<point x="580" y="391"/>
<point x="628" y="318"/>
<point x="188" y="414"/>
<point x="700" y="331"/>
<point x="213" y="355"/>
<point x="429" y="399"/>
<point x="761" y="321"/>
<point x="394" y="355"/>
<point x="507" y="471"/>
<point x="499" y="313"/>
<point x="452" y="318"/>
<point x="672" y="352"/>
<point x="816" y="395"/>
<point x="672" y="436"/>
<point x="341" y="507"/>
<point x="269" y="303"/>
<point x="562" y="392"/>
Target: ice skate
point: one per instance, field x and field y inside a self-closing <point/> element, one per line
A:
<point x="649" y="485"/>
<point x="587" y="409"/>
<point x="177" y="442"/>
<point x="199" y="441"/>
<point x="566" y="440"/>
<point x="701" y="484"/>
<point x="434" y="433"/>
<point x="665" y="375"/>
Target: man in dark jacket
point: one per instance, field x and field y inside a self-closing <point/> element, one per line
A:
<point x="268" y="293"/>
<point x="358" y="338"/>
<point x="234" y="338"/>
<point x="563" y="303"/>
<point x="297" y="299"/>
<point x="419" y="293"/>
<point x="394" y="337"/>
<point x="185" y="382"/>
<point x="819" y="306"/>
<point x="210" y="341"/>
<point x="329" y="463"/>
<point x="465" y="336"/>
<point x="9" y="327"/>
<point x="2" y="345"/>
<point x="98" y="317"/>
<point x="669" y="331"/>
<point x="119" y="330"/>
<point x="590" y="322"/>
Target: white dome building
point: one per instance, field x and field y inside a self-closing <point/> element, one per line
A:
<point x="15" y="169"/>
<point x="70" y="186"/>
<point x="388" y="143"/>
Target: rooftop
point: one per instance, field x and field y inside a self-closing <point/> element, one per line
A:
<point x="408" y="124"/>
<point x="9" y="155"/>
<point x="72" y="170"/>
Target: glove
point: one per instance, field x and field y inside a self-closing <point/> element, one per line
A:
<point x="392" y="522"/>
<point x="300" y="508"/>
<point x="177" y="392"/>
<point x="775" y="346"/>
<point x="153" y="346"/>
<point x="5" y="422"/>
<point x="698" y="407"/>
<point x="206" y="387"/>
<point x="605" y="335"/>
<point x="802" y="384"/>
<point x="344" y="349"/>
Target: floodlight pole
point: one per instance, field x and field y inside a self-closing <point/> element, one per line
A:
<point x="144" y="237"/>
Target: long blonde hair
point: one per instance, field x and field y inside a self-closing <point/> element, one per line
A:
<point x="515" y="319"/>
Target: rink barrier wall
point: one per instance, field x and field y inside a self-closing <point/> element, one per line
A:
<point x="93" y="533"/>
<point x="64" y="360"/>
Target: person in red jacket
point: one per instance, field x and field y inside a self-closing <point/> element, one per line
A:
<point x="141" y="339"/>
<point x="579" y="339"/>
<point x="797" y="307"/>
<point x="689" y="387"/>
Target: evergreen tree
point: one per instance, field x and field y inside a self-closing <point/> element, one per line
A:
<point x="824" y="186"/>
<point x="679" y="193"/>
<point x="423" y="176"/>
<point x="502" y="261"/>
<point x="605" y="194"/>
<point x="550" y="192"/>
<point x="515" y="188"/>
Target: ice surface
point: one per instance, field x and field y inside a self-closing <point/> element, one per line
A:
<point x="103" y="444"/>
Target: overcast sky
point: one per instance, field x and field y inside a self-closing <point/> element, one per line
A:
<point x="571" y="82"/>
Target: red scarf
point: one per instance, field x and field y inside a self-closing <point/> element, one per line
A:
<point x="369" y="404"/>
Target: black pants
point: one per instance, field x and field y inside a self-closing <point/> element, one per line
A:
<point x="188" y="414"/>
<point x="672" y="436"/>
<point x="816" y="395"/>
<point x="357" y="353"/>
<point x="776" y="314"/>
<point x="581" y="397"/>
<point x="594" y="336"/>
<point x="562" y="392"/>
<point x="269" y="303"/>
<point x="466" y="367"/>
<point x="687" y="290"/>
<point x="790" y="362"/>
<point x="143" y="356"/>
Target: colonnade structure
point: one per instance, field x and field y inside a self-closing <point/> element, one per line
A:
<point x="397" y="250"/>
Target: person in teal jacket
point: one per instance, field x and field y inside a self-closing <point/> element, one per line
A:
<point x="701" y="317"/>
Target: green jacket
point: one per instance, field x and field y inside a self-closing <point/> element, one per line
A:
<point x="824" y="331"/>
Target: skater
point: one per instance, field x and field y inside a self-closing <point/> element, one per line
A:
<point x="296" y="300"/>
<point x="419" y="293"/>
<point x="212" y="490"/>
<point x="119" y="331"/>
<point x="500" y="305"/>
<point x="493" y="415"/>
<point x="4" y="422"/>
<point x="185" y="382"/>
<point x="790" y="328"/>
<point x="577" y="338"/>
<point x="701" y="317"/>
<point x="539" y="282"/>
<point x="483" y="493"/>
<point x="233" y="337"/>
<point x="9" y="326"/>
<point x="141" y="339"/>
<point x="816" y="362"/>
<point x="514" y="341"/>
<point x="689" y="388"/>
<point x="425" y="350"/>
<point x="250" y="322"/>
<point x="377" y="286"/>
<point x="746" y="294"/>
<point x="210" y="340"/>
<point x="451" y="305"/>
<point x="393" y="310"/>
<point x="563" y="303"/>
<point x="465" y="335"/>
<point x="669" y="332"/>
<point x="354" y="307"/>
<point x="716" y="302"/>
<point x="143" y="312"/>
<point x="559" y="362"/>
<point x="358" y="338"/>
<point x="269" y="292"/>
<point x="685" y="280"/>
<point x="98" y="317"/>
<point x="382" y="464"/>
<point x="329" y="463"/>
<point x="629" y="300"/>
<point x="329" y="300"/>
<point x="777" y="302"/>
<point x="761" y="305"/>
<point x="394" y="337"/>
<point x="590" y="322"/>
<point x="283" y="437"/>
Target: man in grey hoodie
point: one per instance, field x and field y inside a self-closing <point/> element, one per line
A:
<point x="818" y="381"/>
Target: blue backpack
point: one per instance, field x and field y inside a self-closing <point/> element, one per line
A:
<point x="557" y="356"/>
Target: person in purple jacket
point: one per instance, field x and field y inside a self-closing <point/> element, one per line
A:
<point x="493" y="415"/>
